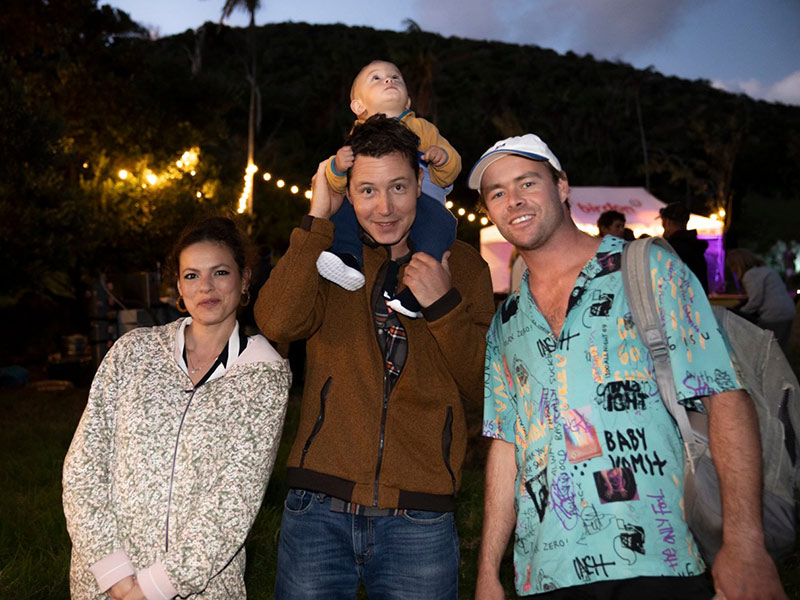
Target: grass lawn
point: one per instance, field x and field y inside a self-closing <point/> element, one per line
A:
<point x="34" y="547"/>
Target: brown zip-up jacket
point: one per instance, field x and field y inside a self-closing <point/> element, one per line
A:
<point x="400" y="451"/>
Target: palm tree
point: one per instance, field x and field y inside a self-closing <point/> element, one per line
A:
<point x="251" y="6"/>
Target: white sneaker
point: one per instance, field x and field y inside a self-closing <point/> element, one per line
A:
<point x="397" y="306"/>
<point x="333" y="268"/>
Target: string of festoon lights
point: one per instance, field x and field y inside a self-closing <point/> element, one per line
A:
<point x="280" y="183"/>
<point x="186" y="164"/>
<point x="190" y="158"/>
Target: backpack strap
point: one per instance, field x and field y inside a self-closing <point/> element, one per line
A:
<point x="638" y="285"/>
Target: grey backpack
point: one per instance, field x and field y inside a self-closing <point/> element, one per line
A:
<point x="772" y="385"/>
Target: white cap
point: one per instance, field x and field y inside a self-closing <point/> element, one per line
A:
<point x="528" y="145"/>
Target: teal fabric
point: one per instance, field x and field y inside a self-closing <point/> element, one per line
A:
<point x="599" y="460"/>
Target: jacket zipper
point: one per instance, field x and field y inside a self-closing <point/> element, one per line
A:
<point x="447" y="440"/>
<point x="172" y="478"/>
<point x="376" y="290"/>
<point x="323" y="395"/>
<point x="381" y="441"/>
<point x="174" y="460"/>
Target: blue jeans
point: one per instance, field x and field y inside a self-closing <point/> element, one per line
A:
<point x="324" y="554"/>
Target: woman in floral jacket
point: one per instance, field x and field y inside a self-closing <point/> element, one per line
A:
<point x="171" y="458"/>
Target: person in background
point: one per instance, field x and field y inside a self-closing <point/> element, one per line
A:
<point x="691" y="250"/>
<point x="170" y="460"/>
<point x="611" y="222"/>
<point x="768" y="302"/>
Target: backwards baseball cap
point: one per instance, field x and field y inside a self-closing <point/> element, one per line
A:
<point x="528" y="145"/>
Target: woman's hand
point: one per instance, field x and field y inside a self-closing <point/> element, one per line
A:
<point x="135" y="593"/>
<point x="119" y="590"/>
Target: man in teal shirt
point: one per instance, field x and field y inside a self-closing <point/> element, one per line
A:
<point x="586" y="464"/>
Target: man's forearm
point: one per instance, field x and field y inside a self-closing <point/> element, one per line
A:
<point x="742" y="569"/>
<point x="736" y="450"/>
<point x="499" y="516"/>
<point x="290" y="304"/>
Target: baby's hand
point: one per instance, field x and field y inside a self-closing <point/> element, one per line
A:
<point x="344" y="159"/>
<point x="435" y="155"/>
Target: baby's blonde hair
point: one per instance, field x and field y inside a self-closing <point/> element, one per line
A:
<point x="364" y="68"/>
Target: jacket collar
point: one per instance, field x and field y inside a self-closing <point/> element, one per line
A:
<point x="367" y="240"/>
<point x="240" y="349"/>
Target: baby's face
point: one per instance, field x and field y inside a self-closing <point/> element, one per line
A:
<point x="380" y="88"/>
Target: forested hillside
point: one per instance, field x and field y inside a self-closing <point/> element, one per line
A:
<point x="89" y="95"/>
<point x="703" y="146"/>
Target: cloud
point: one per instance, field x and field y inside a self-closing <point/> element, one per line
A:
<point x="635" y="31"/>
<point x="785" y="91"/>
<point x="613" y="28"/>
<point x="477" y="19"/>
<point x="604" y="28"/>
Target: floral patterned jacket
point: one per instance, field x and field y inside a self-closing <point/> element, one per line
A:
<point x="164" y="479"/>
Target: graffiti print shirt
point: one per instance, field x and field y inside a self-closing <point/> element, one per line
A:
<point x="599" y="459"/>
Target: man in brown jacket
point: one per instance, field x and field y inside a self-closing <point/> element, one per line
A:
<point x="376" y="464"/>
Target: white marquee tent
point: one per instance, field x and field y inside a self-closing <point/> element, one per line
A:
<point x="587" y="203"/>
